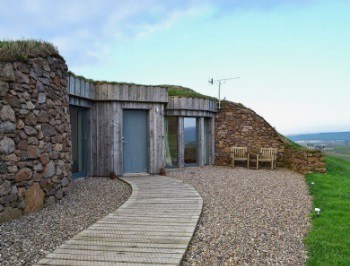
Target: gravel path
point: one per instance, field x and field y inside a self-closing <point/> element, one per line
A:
<point x="249" y="216"/>
<point x="29" y="238"/>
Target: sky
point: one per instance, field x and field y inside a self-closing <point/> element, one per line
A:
<point x="292" y="57"/>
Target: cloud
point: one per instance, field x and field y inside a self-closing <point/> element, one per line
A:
<point x="229" y="6"/>
<point x="82" y="29"/>
<point x="85" y="30"/>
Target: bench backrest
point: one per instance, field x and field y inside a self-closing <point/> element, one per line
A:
<point x="239" y="152"/>
<point x="268" y="153"/>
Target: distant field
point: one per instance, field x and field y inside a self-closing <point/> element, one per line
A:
<point x="342" y="152"/>
<point x="339" y="141"/>
<point x="342" y="149"/>
<point x="336" y="136"/>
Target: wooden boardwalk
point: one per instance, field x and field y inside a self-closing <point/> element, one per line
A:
<point x="154" y="226"/>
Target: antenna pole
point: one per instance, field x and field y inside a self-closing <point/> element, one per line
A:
<point x="219" y="82"/>
<point x="219" y="95"/>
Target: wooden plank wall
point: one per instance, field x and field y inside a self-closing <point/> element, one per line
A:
<point x="103" y="139"/>
<point x="107" y="136"/>
<point x="194" y="104"/>
<point x="91" y="135"/>
<point x="189" y="113"/>
<point x="200" y="141"/>
<point x="132" y="93"/>
<point x="116" y="92"/>
<point x="81" y="88"/>
<point x="76" y="101"/>
<point x="180" y="143"/>
<point x="105" y="122"/>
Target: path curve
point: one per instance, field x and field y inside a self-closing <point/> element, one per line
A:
<point x="154" y="226"/>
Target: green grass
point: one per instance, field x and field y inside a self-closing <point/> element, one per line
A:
<point x="11" y="51"/>
<point x="328" y="242"/>
<point x="342" y="152"/>
<point x="291" y="144"/>
<point x="345" y="157"/>
<point x="173" y="90"/>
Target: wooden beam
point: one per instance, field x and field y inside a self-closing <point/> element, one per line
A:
<point x="200" y="141"/>
<point x="180" y="143"/>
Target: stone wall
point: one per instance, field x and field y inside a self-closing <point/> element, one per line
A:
<point x="35" y="145"/>
<point x="305" y="161"/>
<point x="236" y="125"/>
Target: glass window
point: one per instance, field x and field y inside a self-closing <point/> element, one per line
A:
<point x="78" y="131"/>
<point x="171" y="141"/>
<point x="190" y="138"/>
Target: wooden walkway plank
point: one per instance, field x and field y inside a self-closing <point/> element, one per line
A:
<point x="154" y="227"/>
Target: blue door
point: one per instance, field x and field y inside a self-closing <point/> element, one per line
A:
<point x="135" y="141"/>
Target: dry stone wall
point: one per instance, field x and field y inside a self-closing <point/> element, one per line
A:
<point x="305" y="161"/>
<point x="35" y="145"/>
<point x="236" y="125"/>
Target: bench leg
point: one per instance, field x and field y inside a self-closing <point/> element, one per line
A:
<point x="272" y="164"/>
<point x="233" y="163"/>
<point x="257" y="164"/>
<point x="248" y="163"/>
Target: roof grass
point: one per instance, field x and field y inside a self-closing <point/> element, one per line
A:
<point x="21" y="50"/>
<point x="179" y="91"/>
<point x="173" y="90"/>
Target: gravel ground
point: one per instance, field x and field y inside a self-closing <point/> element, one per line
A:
<point x="30" y="238"/>
<point x="249" y="216"/>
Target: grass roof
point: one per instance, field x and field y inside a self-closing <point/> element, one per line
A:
<point x="173" y="90"/>
<point x="11" y="51"/>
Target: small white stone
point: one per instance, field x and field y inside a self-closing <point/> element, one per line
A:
<point x="30" y="105"/>
<point x="41" y="97"/>
<point x="318" y="210"/>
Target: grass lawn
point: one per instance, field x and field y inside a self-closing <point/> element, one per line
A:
<point x="328" y="241"/>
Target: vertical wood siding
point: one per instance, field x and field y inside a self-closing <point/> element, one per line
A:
<point x="200" y="142"/>
<point x="107" y="136"/>
<point x="180" y="143"/>
<point x="105" y="122"/>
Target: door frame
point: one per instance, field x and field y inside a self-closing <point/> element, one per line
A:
<point x="148" y="112"/>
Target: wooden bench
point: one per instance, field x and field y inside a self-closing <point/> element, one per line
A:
<point x="239" y="154"/>
<point x="267" y="155"/>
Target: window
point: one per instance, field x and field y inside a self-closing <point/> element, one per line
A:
<point x="78" y="131"/>
<point x="190" y="139"/>
<point x="171" y="140"/>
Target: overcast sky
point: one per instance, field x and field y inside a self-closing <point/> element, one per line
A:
<point x="292" y="57"/>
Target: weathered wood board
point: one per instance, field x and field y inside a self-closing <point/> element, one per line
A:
<point x="153" y="227"/>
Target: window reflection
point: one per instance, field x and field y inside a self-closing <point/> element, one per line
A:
<point x="78" y="122"/>
<point x="171" y="141"/>
<point x="190" y="138"/>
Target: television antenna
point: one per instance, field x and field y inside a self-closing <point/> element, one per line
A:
<point x="220" y="82"/>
